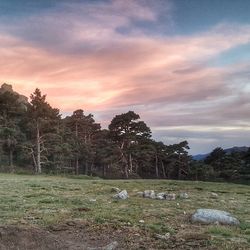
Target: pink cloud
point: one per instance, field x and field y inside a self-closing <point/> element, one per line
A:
<point x="135" y="70"/>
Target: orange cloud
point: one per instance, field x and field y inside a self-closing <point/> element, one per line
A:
<point x="95" y="57"/>
<point x="133" y="70"/>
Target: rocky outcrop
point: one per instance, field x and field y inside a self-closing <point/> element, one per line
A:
<point x="8" y="88"/>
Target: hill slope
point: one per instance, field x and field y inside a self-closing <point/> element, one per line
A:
<point x="201" y="157"/>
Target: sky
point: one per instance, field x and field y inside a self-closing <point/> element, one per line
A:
<point x="182" y="65"/>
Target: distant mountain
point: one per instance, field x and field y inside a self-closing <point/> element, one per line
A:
<point x="236" y="149"/>
<point x="201" y="157"/>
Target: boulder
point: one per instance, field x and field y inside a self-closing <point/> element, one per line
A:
<point x="123" y="195"/>
<point x="149" y="194"/>
<point x="210" y="216"/>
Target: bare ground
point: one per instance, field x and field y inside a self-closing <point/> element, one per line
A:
<point x="81" y="235"/>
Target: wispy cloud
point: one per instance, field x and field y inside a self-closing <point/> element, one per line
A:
<point x="100" y="56"/>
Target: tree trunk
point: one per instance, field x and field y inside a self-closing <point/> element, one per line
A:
<point x="86" y="168"/>
<point x="104" y="170"/>
<point x="126" y="170"/>
<point x="77" y="166"/>
<point x="38" y="148"/>
<point x="11" y="160"/>
<point x="130" y="163"/>
<point x="163" y="170"/>
<point x="156" y="166"/>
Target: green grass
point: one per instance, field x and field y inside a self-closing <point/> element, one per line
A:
<point x="221" y="231"/>
<point x="46" y="200"/>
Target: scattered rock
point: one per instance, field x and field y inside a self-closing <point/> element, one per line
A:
<point x="141" y="221"/>
<point x="123" y="195"/>
<point x="214" y="195"/>
<point x="149" y="194"/>
<point x="209" y="216"/>
<point x="140" y="194"/>
<point x="115" y="190"/>
<point x="160" y="196"/>
<point x="170" y="197"/>
<point x="92" y="200"/>
<point x="183" y="195"/>
<point x="165" y="196"/>
<point x="163" y="237"/>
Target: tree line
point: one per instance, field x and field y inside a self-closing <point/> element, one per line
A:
<point x="35" y="137"/>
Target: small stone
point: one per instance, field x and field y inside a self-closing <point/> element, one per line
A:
<point x="123" y="195"/>
<point x="183" y="195"/>
<point x="160" y="196"/>
<point x="178" y="204"/>
<point x="163" y="237"/>
<point x="170" y="197"/>
<point x="210" y="216"/>
<point x="149" y="194"/>
<point x="165" y="196"/>
<point x="92" y="200"/>
<point x="214" y="195"/>
<point x="141" y="221"/>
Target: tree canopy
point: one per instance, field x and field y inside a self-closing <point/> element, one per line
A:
<point x="34" y="137"/>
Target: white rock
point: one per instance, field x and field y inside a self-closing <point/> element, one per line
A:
<point x="149" y="194"/>
<point x="141" y="221"/>
<point x="214" y="195"/>
<point x="160" y="196"/>
<point x="170" y="197"/>
<point x="209" y="216"/>
<point x="123" y="195"/>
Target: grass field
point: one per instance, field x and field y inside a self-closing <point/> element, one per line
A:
<point x="45" y="201"/>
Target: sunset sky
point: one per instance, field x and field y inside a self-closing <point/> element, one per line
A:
<point x="183" y="65"/>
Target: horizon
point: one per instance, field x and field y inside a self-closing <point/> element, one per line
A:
<point x="183" y="66"/>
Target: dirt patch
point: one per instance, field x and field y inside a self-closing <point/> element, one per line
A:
<point x="74" y="235"/>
